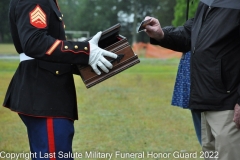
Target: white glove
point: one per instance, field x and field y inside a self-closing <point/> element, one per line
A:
<point x="96" y="57"/>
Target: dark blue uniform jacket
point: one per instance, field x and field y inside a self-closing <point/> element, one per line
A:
<point x="43" y="86"/>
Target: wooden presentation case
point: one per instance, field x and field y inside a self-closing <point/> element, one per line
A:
<point x="112" y="41"/>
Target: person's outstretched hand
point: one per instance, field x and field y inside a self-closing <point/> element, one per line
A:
<point x="96" y="57"/>
<point x="153" y="29"/>
<point x="236" y="117"/>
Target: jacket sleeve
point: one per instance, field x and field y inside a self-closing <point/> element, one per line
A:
<point x="238" y="91"/>
<point x="176" y="38"/>
<point x="33" y="20"/>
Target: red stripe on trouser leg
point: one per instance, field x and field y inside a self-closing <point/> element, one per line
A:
<point x="51" y="142"/>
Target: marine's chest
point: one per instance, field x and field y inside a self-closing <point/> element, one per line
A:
<point x="56" y="24"/>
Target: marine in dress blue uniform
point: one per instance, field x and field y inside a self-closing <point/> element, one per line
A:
<point x="42" y="89"/>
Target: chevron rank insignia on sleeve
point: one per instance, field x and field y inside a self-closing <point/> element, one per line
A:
<point x="38" y="17"/>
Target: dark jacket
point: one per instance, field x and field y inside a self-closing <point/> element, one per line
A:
<point x="213" y="36"/>
<point x="43" y="86"/>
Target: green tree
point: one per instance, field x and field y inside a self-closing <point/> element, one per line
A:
<point x="89" y="15"/>
<point x="4" y="23"/>
<point x="180" y="11"/>
<point x="96" y="15"/>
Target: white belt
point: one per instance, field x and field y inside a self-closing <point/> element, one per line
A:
<point x="24" y="57"/>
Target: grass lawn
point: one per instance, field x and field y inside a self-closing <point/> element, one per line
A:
<point x="7" y="49"/>
<point x="130" y="113"/>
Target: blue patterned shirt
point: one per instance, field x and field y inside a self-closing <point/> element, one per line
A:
<point x="181" y="91"/>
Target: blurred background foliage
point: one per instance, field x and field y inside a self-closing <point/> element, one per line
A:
<point x="97" y="15"/>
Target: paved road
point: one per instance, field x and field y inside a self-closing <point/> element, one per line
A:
<point x="9" y="57"/>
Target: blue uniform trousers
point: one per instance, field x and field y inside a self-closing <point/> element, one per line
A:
<point x="49" y="138"/>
